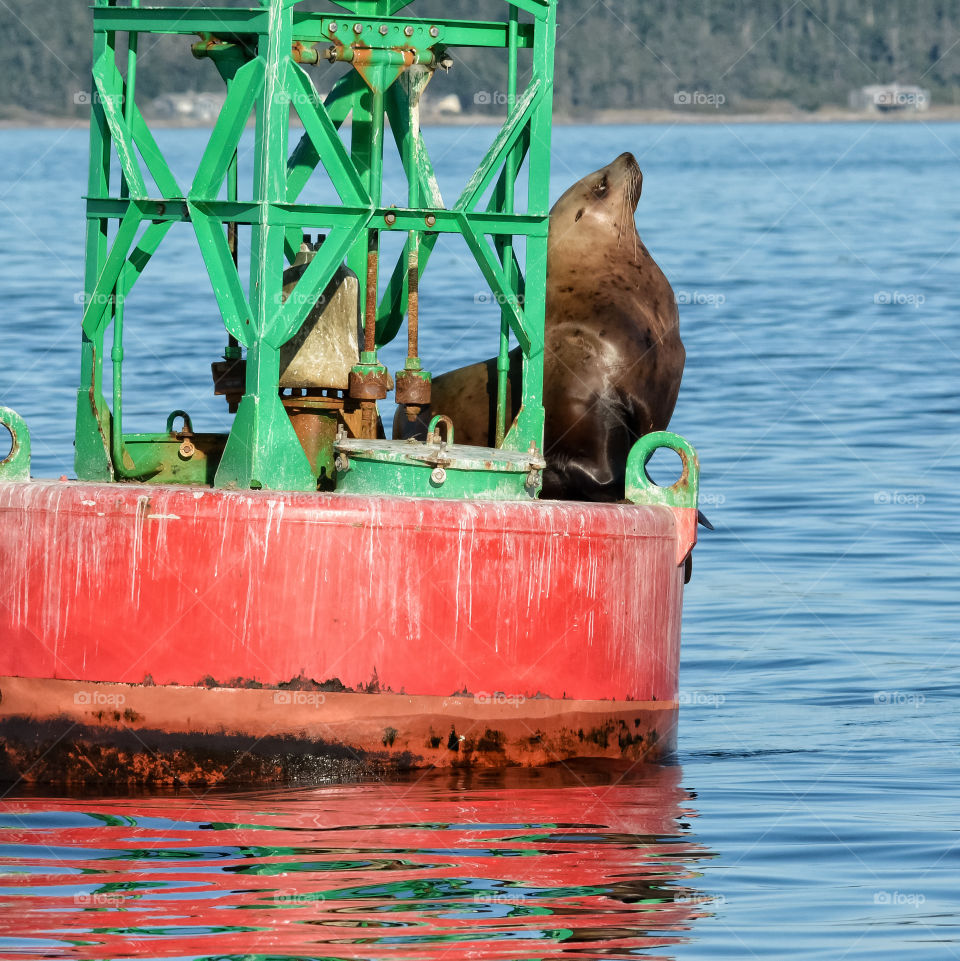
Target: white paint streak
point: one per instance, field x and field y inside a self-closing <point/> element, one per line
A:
<point x="136" y="555"/>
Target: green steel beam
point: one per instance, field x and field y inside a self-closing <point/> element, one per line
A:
<point x="92" y="454"/>
<point x="309" y="27"/>
<point x="384" y="7"/>
<point x="110" y="91"/>
<point x="323" y="215"/>
<point x="313" y="28"/>
<point x="184" y="21"/>
<point x="262" y="450"/>
<point x="530" y="419"/>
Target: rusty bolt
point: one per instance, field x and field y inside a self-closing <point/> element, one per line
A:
<point x="391" y="219"/>
<point x="408" y="31"/>
<point x="434" y="32"/>
<point x="411" y="389"/>
<point x="368" y="385"/>
<point x="383" y="29"/>
<point x="187" y="450"/>
<point x="358" y="28"/>
<point x="342" y="463"/>
<point x="431" y="220"/>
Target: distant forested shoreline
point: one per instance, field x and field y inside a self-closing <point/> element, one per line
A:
<point x="737" y="55"/>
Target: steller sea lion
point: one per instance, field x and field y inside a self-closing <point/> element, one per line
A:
<point x="613" y="360"/>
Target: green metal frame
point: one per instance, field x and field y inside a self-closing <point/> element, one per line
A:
<point x="640" y="489"/>
<point x="259" y="52"/>
<point x="15" y="466"/>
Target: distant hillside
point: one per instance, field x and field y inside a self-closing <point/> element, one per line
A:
<point x="618" y="54"/>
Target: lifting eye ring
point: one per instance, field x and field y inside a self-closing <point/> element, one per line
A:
<point x="433" y="435"/>
<point x="187" y="427"/>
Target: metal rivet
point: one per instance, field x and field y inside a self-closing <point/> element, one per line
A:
<point x="383" y="29"/>
<point x="408" y="31"/>
<point x="438" y="475"/>
<point x="391" y="219"/>
<point x="332" y="28"/>
<point x="430" y="220"/>
<point x="434" y="32"/>
<point x="358" y="28"/>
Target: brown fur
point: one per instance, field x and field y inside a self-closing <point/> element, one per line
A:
<point x="614" y="358"/>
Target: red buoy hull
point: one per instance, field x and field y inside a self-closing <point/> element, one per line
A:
<point x="499" y="610"/>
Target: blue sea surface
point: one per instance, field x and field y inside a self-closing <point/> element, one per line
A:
<point x="812" y="811"/>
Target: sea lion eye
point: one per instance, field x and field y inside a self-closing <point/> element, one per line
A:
<point x="601" y="188"/>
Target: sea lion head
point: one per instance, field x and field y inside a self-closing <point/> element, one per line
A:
<point x="604" y="201"/>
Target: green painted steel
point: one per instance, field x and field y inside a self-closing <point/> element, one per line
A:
<point x="642" y="490"/>
<point x="134" y="199"/>
<point x="437" y="469"/>
<point x="15" y="466"/>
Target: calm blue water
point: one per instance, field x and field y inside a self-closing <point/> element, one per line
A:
<point x="813" y="811"/>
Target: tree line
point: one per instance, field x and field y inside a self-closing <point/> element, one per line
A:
<point x="620" y="54"/>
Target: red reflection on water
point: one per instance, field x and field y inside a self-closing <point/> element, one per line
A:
<point x="522" y="864"/>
